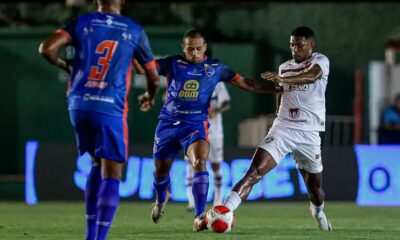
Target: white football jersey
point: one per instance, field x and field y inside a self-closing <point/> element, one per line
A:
<point x="219" y="96"/>
<point x="303" y="106"/>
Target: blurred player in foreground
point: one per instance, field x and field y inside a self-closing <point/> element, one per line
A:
<point x="220" y="102"/>
<point x="296" y="130"/>
<point x="105" y="44"/>
<point x="183" y="119"/>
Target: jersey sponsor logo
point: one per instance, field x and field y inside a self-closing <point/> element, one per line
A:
<point x="189" y="91"/>
<point x="294" y="113"/>
<point x="210" y="71"/>
<point x="290" y="68"/>
<point x="88" y="97"/>
<point x="96" y="84"/>
<point x="296" y="87"/>
<point x="109" y="22"/>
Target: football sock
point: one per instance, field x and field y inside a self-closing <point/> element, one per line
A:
<point x="92" y="189"/>
<point x="161" y="185"/>
<point x="200" y="190"/>
<point x="232" y="201"/>
<point x="189" y="183"/>
<point x="106" y="206"/>
<point x="316" y="210"/>
<point x="217" y="187"/>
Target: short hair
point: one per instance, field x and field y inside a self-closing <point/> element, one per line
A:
<point x="193" y="33"/>
<point x="303" y="31"/>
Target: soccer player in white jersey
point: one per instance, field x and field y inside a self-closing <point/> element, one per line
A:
<point x="220" y="102"/>
<point x="301" y="117"/>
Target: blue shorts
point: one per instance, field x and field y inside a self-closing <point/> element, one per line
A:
<point x="101" y="135"/>
<point x="171" y="137"/>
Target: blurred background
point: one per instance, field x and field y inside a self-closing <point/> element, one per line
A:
<point x="361" y="39"/>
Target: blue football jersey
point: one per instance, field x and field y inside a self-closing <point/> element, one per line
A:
<point x="190" y="86"/>
<point x="105" y="45"/>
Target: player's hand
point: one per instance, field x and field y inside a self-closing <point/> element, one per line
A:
<point x="212" y="114"/>
<point x="146" y="102"/>
<point x="271" y="76"/>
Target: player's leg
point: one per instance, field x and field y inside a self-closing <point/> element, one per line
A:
<point x="215" y="157"/>
<point x="261" y="163"/>
<point x="165" y="149"/>
<point x="111" y="145"/>
<point x="84" y="133"/>
<point x="316" y="196"/>
<point x="93" y="182"/>
<point x="275" y="146"/>
<point x="161" y="182"/>
<point x="308" y="161"/>
<point x="198" y="154"/>
<point x="216" y="167"/>
<point x="108" y="196"/>
<point x="189" y="183"/>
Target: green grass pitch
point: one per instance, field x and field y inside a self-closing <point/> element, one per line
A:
<point x="261" y="220"/>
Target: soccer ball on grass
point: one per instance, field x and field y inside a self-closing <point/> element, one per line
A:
<point x="220" y="219"/>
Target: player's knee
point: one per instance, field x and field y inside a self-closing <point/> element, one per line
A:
<point x="199" y="164"/>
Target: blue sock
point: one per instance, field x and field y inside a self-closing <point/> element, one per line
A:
<point x="200" y="190"/>
<point x="161" y="185"/>
<point x="92" y="189"/>
<point x="106" y="206"/>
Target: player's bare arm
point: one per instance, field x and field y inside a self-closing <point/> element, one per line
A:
<point x="278" y="99"/>
<point x="146" y="100"/>
<point x="49" y="50"/>
<point x="254" y="85"/>
<point x="225" y="106"/>
<point x="310" y="76"/>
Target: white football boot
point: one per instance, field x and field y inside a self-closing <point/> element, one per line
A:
<point x="158" y="209"/>
<point x="321" y="219"/>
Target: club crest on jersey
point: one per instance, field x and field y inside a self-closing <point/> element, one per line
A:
<point x="294" y="113"/>
<point x="269" y="139"/>
<point x="209" y="70"/>
<point x="189" y="91"/>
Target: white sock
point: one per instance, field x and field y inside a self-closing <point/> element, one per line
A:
<point x="316" y="210"/>
<point x="232" y="201"/>
<point x="217" y="188"/>
<point x="190" y="196"/>
<point x="189" y="182"/>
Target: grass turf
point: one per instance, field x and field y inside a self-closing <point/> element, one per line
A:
<point x="60" y="220"/>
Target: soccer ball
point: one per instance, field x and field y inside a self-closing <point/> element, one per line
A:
<point x="220" y="219"/>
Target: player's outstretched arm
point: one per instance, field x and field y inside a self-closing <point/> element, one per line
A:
<point x="309" y="76"/>
<point x="255" y="85"/>
<point x="49" y="50"/>
<point x="146" y="100"/>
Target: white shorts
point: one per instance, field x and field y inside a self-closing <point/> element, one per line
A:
<point x="216" y="154"/>
<point x="304" y="145"/>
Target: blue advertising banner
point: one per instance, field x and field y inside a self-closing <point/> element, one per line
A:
<point x="378" y="175"/>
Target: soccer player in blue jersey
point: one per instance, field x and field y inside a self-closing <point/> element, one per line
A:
<point x="183" y="119"/>
<point x="105" y="44"/>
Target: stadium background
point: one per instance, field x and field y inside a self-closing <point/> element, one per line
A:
<point x="249" y="36"/>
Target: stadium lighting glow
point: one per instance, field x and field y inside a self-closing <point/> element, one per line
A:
<point x="30" y="156"/>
